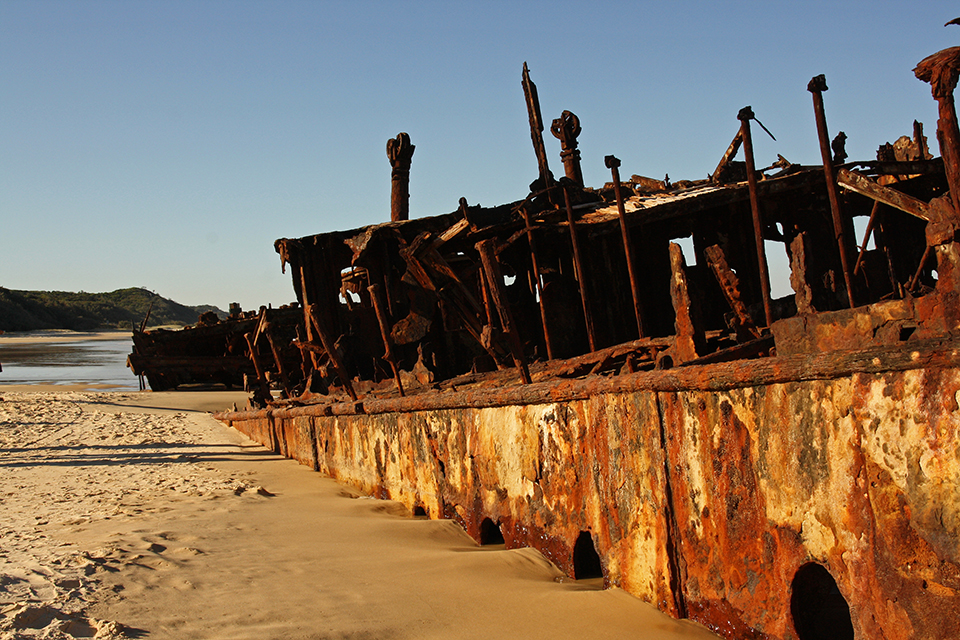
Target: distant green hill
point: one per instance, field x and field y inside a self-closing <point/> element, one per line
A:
<point x="120" y="309"/>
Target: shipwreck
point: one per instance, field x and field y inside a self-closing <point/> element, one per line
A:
<point x="232" y="352"/>
<point x="557" y="373"/>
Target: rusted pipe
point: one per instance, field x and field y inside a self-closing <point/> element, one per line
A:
<point x="566" y="128"/>
<point x="578" y="265"/>
<point x="388" y="355"/>
<point x="400" y="154"/>
<point x="491" y="269"/>
<point x="613" y="163"/>
<point x="745" y="116"/>
<point x="816" y="86"/>
<point x="536" y="275"/>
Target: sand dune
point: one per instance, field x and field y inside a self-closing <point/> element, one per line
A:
<point x="133" y="515"/>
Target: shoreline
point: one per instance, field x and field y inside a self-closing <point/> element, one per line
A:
<point x="60" y="335"/>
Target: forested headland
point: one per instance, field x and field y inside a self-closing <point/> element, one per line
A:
<point x="120" y="309"/>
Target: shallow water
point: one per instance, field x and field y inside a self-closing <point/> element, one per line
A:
<point x="90" y="362"/>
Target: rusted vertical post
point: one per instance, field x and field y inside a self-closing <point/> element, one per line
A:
<point x="566" y="128"/>
<point x="536" y="127"/>
<point x="491" y="269"/>
<point x="613" y="163"/>
<point x="941" y="70"/>
<point x="388" y="355"/>
<point x="331" y="349"/>
<point x="400" y="153"/>
<point x="745" y="116"/>
<point x="816" y="86"/>
<point x="536" y="275"/>
<point x="578" y="265"/>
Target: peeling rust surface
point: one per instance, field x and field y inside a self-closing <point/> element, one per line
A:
<point x="859" y="473"/>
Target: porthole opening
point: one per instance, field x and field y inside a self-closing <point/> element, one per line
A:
<point x="818" y="608"/>
<point x="490" y="533"/>
<point x="586" y="561"/>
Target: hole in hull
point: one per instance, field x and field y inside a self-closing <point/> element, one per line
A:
<point x="490" y="533"/>
<point x="818" y="608"/>
<point x="586" y="561"/>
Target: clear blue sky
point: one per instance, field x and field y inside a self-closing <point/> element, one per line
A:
<point x="167" y="144"/>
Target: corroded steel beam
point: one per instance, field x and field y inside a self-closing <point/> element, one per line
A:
<point x="536" y="127"/>
<point x="730" y="285"/>
<point x="745" y="116"/>
<point x="866" y="236"/>
<point x="932" y="353"/>
<point x="613" y="163"/>
<point x="859" y="183"/>
<point x="728" y="156"/>
<point x="578" y="267"/>
<point x="816" y="87"/>
<point x="377" y="299"/>
<point x="531" y="241"/>
<point x="688" y="327"/>
<point x="331" y="348"/>
<point x="263" y="389"/>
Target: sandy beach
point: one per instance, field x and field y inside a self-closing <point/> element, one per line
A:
<point x="126" y="514"/>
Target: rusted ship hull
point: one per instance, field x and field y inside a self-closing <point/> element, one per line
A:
<point x="553" y="373"/>
<point x="706" y="491"/>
